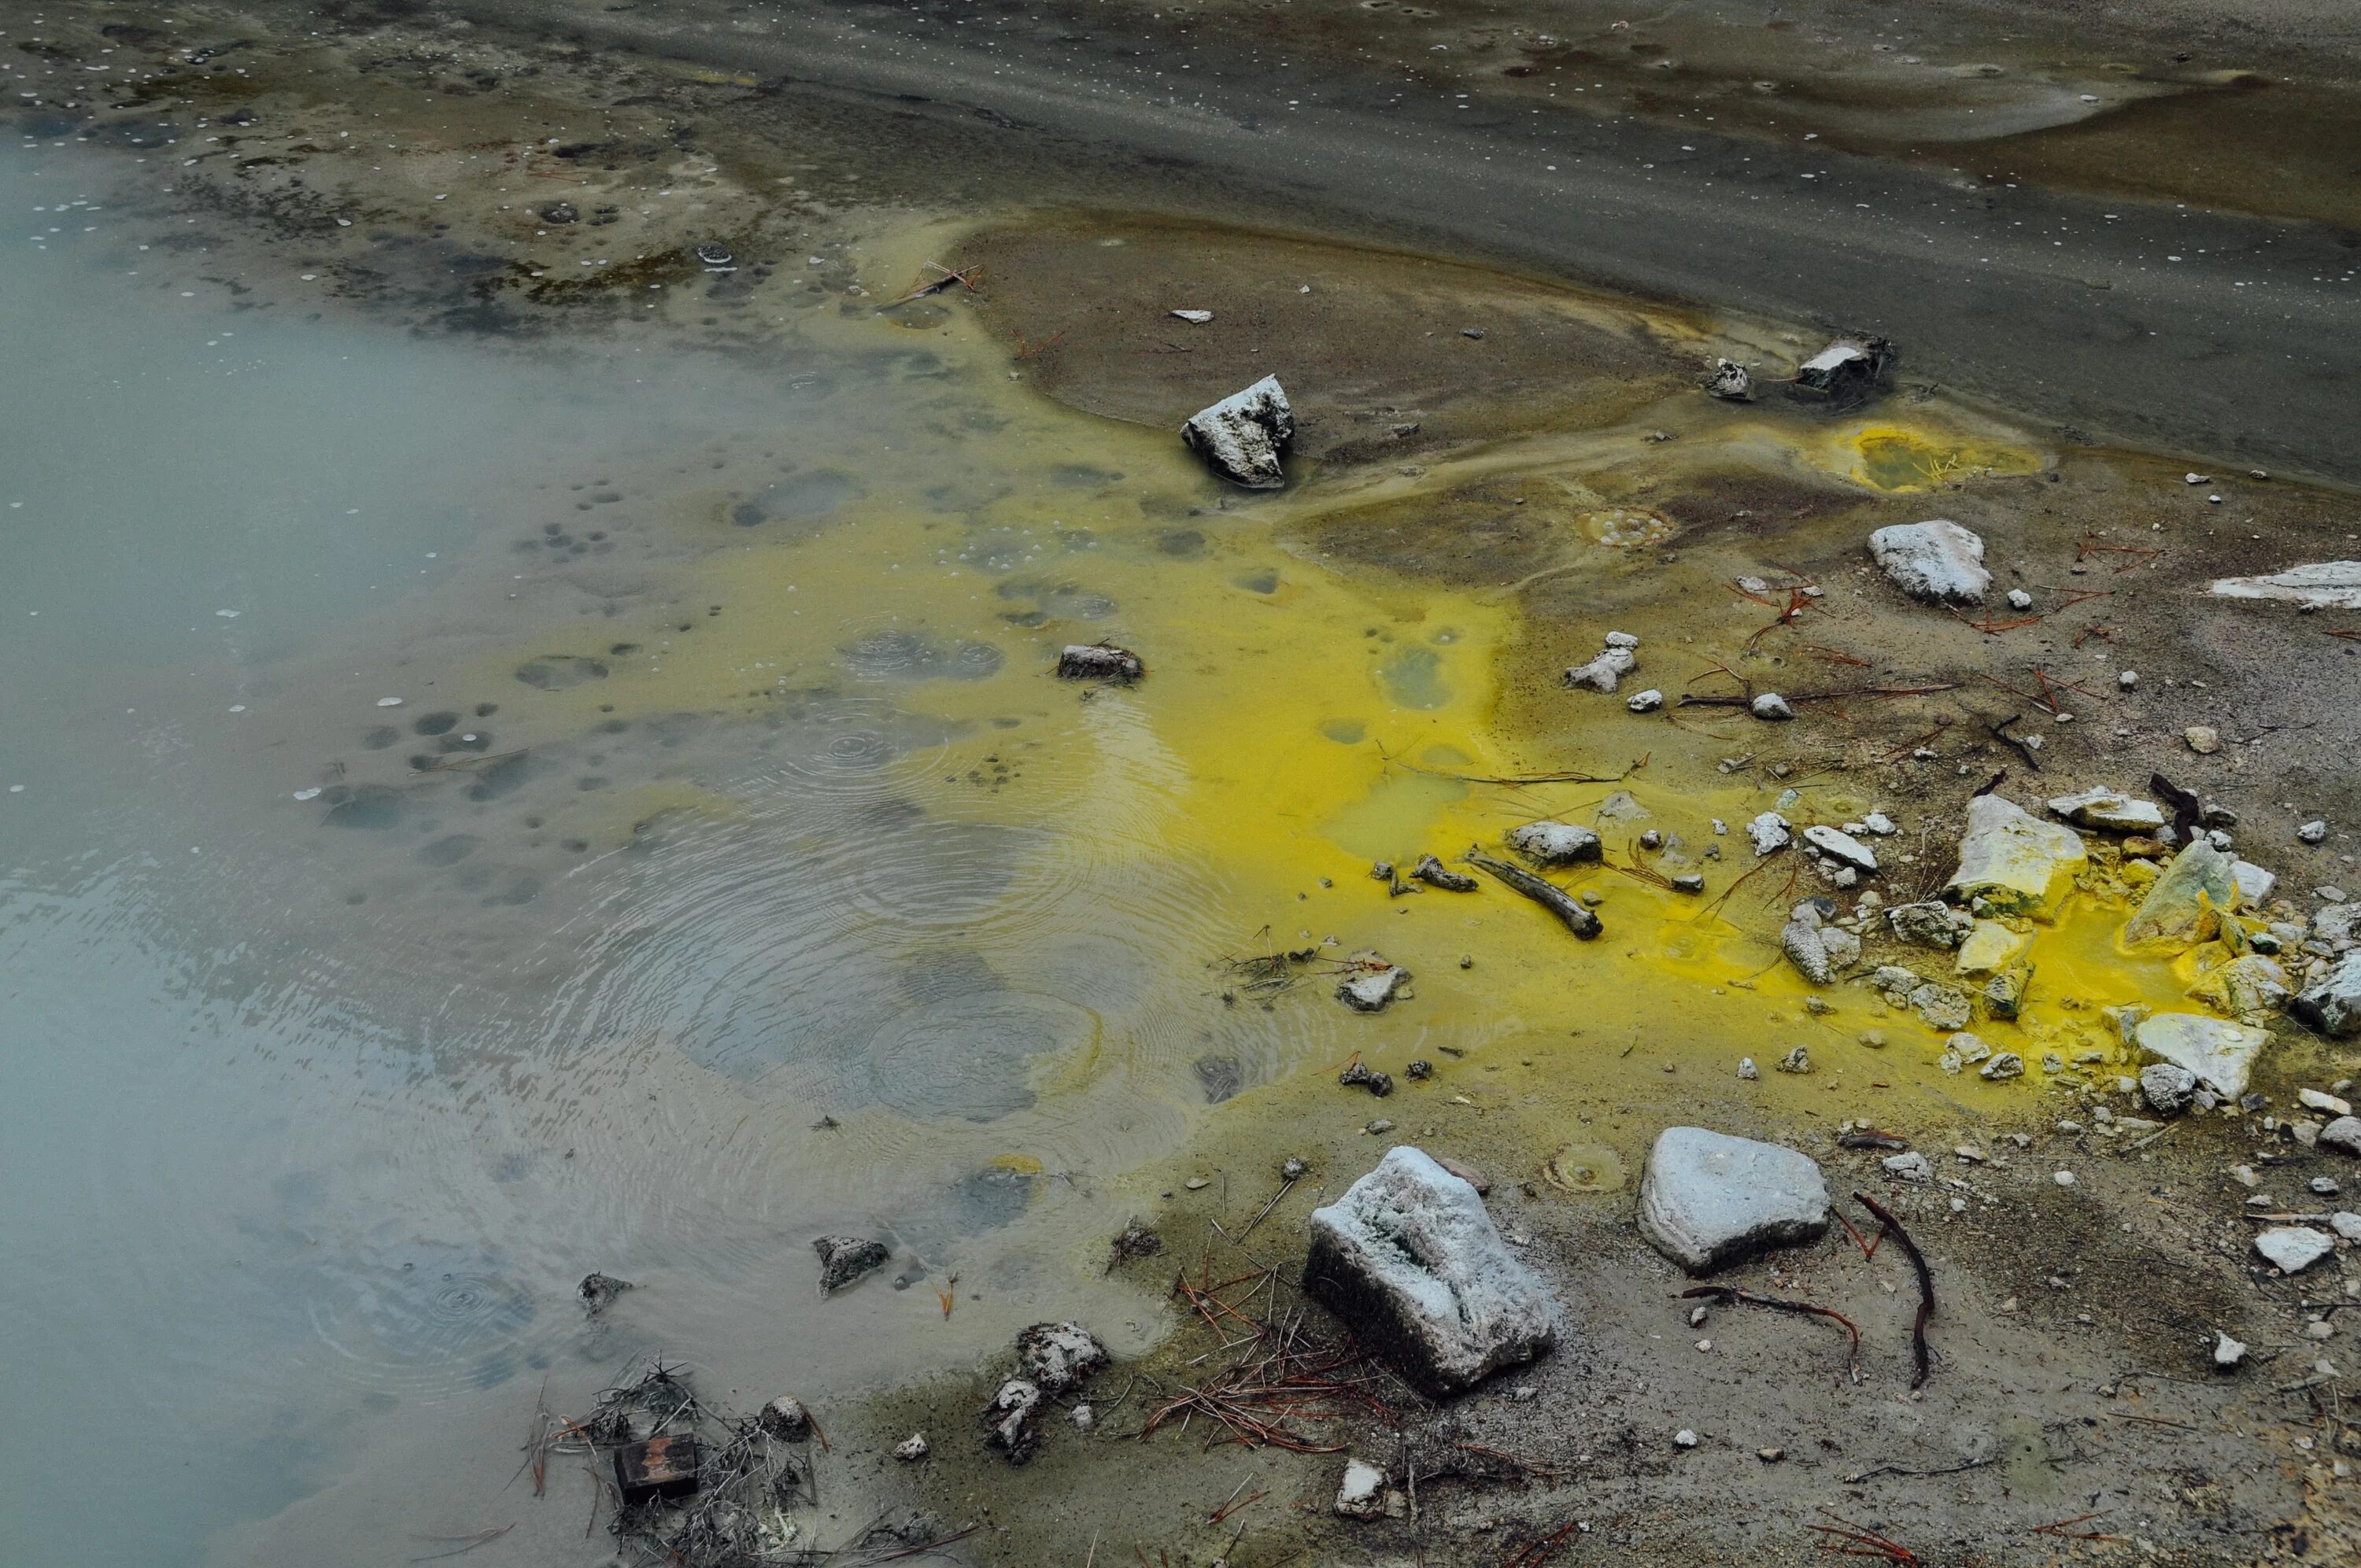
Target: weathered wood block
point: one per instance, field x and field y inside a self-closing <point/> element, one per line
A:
<point x="660" y="1467"/>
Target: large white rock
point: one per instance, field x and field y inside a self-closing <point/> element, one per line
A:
<point x="1556" y="843"/>
<point x="2111" y="809"/>
<point x="1241" y="436"/>
<point x="1409" y="1260"/>
<point x="2322" y="585"/>
<point x="2012" y="862"/>
<point x="1709" y="1199"/>
<point x="1768" y="832"/>
<point x="2219" y="1052"/>
<point x="1937" y="562"/>
<point x="2294" y="1248"/>
<point x="2332" y="1006"/>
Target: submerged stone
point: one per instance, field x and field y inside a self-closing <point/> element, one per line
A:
<point x="1556" y="843"/>
<point x="2012" y="862"/>
<point x="1409" y="1258"/>
<point x="1709" y="1199"/>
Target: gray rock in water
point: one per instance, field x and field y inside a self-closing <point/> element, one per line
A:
<point x="1241" y="436"/>
<point x="1556" y="843"/>
<point x="843" y="1259"/>
<point x="1936" y="562"/>
<point x="1100" y="662"/>
<point x="1434" y="874"/>
<point x="1711" y="1199"/>
<point x="1931" y="924"/>
<point x="596" y="1291"/>
<point x="2332" y="1006"/>
<point x="1409" y="1258"/>
<point x="2168" y="1087"/>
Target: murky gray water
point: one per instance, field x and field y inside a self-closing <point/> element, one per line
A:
<point x="345" y="1035"/>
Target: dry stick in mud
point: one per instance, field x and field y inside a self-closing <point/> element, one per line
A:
<point x="1859" y="1542"/>
<point x="1577" y="919"/>
<point x="1689" y="700"/>
<point x="1925" y="1282"/>
<point x="1730" y="1295"/>
<point x="1393" y="761"/>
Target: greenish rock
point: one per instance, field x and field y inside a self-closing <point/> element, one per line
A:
<point x="2219" y="1052"/>
<point x="2005" y="992"/>
<point x="2186" y="906"/>
<point x="2013" y="862"/>
<point x="2242" y="986"/>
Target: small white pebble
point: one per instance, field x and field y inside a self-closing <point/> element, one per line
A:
<point x="307" y="794"/>
<point x="2063" y="1179"/>
<point x="389" y="702"/>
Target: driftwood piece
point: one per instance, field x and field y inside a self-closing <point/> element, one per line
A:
<point x="1556" y="899"/>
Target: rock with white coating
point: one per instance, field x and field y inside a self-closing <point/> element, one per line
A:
<point x="1645" y="702"/>
<point x="2012" y="862"/>
<point x="1240" y="437"/>
<point x="2320" y="584"/>
<point x="1940" y="1006"/>
<point x="2185" y="905"/>
<point x="1411" y="1261"/>
<point x="2293" y="1248"/>
<point x="1605" y="672"/>
<point x="1771" y="705"/>
<point x="1060" y="1357"/>
<point x="1728" y="380"/>
<point x="1936" y="562"/>
<point x="2168" y="1087"/>
<point x="1909" y="1165"/>
<point x="1768" y="832"/>
<point x="2228" y="1352"/>
<point x="2219" y="1052"/>
<point x="1556" y="843"/>
<point x="1992" y="946"/>
<point x="1371" y="983"/>
<point x="1842" y="847"/>
<point x="1621" y="640"/>
<point x="1802" y="944"/>
<point x="2332" y="1005"/>
<point x="2110" y="809"/>
<point x="1010" y="1423"/>
<point x="2019" y="599"/>
<point x="1709" y="1199"/>
<point x="2320" y="1100"/>
<point x="2255" y="885"/>
<point x="2313" y="832"/>
<point x="2006" y="1065"/>
<point x="2342" y="1135"/>
<point x="911" y="1449"/>
<point x="1362" y="1492"/>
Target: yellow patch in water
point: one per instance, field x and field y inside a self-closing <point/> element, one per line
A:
<point x="1888" y="458"/>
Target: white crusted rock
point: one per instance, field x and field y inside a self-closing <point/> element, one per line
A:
<point x="1842" y="847"/>
<point x="1362" y="1492"/>
<point x="2168" y="1087"/>
<point x="2342" y="1135"/>
<point x="1060" y="1356"/>
<point x="1556" y="843"/>
<point x="2332" y="1005"/>
<point x="1709" y="1199"/>
<point x="2111" y="809"/>
<point x="1768" y="832"/>
<point x="1931" y="924"/>
<point x="1936" y="562"/>
<point x="1241" y="436"/>
<point x="2293" y="1248"/>
<point x="2219" y="1052"/>
<point x="2012" y="862"/>
<point x="2320" y="584"/>
<point x="1409" y="1258"/>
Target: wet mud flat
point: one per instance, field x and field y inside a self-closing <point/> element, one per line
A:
<point x="1561" y="478"/>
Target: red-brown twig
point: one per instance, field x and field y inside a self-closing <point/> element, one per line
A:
<point x="1730" y="1295"/>
<point x="1925" y="1283"/>
<point x="1541" y="1551"/>
<point x="1859" y="1542"/>
<point x="1835" y="656"/>
<point x="1868" y="1248"/>
<point x="2061" y="1529"/>
<point x="2086" y="549"/>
